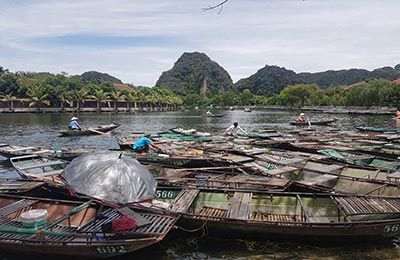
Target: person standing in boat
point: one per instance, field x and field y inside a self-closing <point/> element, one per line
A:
<point x="301" y="118"/>
<point x="234" y="129"/>
<point x="73" y="124"/>
<point x="143" y="144"/>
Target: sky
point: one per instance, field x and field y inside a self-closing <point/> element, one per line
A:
<point x="136" y="40"/>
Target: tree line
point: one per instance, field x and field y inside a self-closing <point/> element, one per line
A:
<point x="41" y="88"/>
<point x="373" y="92"/>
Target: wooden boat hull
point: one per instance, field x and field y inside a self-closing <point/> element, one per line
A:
<point x="89" y="131"/>
<point x="96" y="249"/>
<point x="308" y="232"/>
<point x="306" y="123"/>
<point x="74" y="229"/>
<point x="261" y="215"/>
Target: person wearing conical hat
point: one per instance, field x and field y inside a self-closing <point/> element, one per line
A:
<point x="73" y="124"/>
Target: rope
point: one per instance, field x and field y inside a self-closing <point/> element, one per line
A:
<point x="204" y="227"/>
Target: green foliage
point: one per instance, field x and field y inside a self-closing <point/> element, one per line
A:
<point x="98" y="77"/>
<point x="191" y="71"/>
<point x="38" y="95"/>
<point x="8" y="83"/>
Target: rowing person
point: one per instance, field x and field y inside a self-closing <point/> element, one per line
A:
<point x="73" y="124"/>
<point x="301" y="118"/>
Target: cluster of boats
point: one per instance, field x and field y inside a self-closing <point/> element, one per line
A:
<point x="324" y="185"/>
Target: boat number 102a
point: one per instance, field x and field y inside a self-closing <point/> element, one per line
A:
<point x="391" y="228"/>
<point x="111" y="249"/>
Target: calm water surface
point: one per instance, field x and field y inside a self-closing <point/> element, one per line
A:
<point x="43" y="130"/>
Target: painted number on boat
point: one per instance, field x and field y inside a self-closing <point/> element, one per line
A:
<point x="111" y="249"/>
<point x="166" y="194"/>
<point x="391" y="228"/>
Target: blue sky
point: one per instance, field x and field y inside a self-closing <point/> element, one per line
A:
<point x="137" y="40"/>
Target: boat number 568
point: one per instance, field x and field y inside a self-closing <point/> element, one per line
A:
<point x="391" y="228"/>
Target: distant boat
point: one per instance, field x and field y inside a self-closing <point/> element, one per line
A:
<point x="101" y="129"/>
<point x="321" y="122"/>
<point x="247" y="109"/>
<point x="231" y="108"/>
<point x="212" y="115"/>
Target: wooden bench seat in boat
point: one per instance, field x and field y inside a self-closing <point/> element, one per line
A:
<point x="318" y="180"/>
<point x="262" y="216"/>
<point x="282" y="170"/>
<point x="211" y="212"/>
<point x="365" y="205"/>
<point x="330" y="168"/>
<point x="292" y="161"/>
<point x="360" y="157"/>
<point x="185" y="199"/>
<point x="395" y="176"/>
<point x="240" y="205"/>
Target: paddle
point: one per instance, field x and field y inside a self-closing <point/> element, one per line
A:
<point x="308" y="121"/>
<point x="97" y="132"/>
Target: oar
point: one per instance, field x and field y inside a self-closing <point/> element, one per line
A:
<point x="308" y="121"/>
<point x="97" y="131"/>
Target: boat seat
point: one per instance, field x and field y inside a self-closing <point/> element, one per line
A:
<point x="282" y="170"/>
<point x="185" y="199"/>
<point x="48" y="173"/>
<point x="360" y="157"/>
<point x="211" y="212"/>
<point x="318" y="180"/>
<point x="292" y="161"/>
<point x="387" y="164"/>
<point x="16" y="206"/>
<point x="394" y="176"/>
<point x="274" y="217"/>
<point x="240" y="205"/>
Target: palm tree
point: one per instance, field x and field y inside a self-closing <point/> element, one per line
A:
<point x="66" y="97"/>
<point x="100" y="97"/>
<point x="38" y="96"/>
<point x="116" y="96"/>
<point x="9" y="98"/>
<point x="131" y="98"/>
<point x="80" y="96"/>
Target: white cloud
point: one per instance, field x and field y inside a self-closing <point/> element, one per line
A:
<point x="310" y="35"/>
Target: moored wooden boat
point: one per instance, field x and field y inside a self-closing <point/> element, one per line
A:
<point x="35" y="166"/>
<point x="212" y="115"/>
<point x="9" y="151"/>
<point x="75" y="229"/>
<point x="220" y="178"/>
<point x="259" y="215"/>
<point x="376" y="129"/>
<point x="90" y="131"/>
<point x="319" y="122"/>
<point x="363" y="159"/>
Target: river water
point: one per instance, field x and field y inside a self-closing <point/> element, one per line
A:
<point x="43" y="130"/>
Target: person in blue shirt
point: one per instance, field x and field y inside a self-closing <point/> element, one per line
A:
<point x="143" y="144"/>
<point x="73" y="124"/>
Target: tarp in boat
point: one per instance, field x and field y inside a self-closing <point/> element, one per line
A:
<point x="110" y="177"/>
